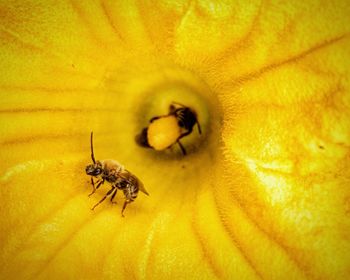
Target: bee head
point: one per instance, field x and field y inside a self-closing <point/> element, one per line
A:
<point x="94" y="169"/>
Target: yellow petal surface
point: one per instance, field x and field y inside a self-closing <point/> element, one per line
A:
<point x="265" y="193"/>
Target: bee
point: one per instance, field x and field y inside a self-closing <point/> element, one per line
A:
<point x="114" y="173"/>
<point x="167" y="130"/>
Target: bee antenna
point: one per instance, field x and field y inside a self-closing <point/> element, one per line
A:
<point x="92" y="148"/>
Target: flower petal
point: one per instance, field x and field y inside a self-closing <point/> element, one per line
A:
<point x="264" y="194"/>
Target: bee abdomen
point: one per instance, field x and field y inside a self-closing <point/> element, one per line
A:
<point x="181" y="118"/>
<point x="131" y="192"/>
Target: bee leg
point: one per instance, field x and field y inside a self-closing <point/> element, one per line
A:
<point x="182" y="148"/>
<point x="178" y="141"/>
<point x="126" y="202"/>
<point x="100" y="183"/>
<point x="199" y="127"/>
<point x="107" y="194"/>
<point x="113" y="195"/>
<point x="155" y="118"/>
<point x="95" y="188"/>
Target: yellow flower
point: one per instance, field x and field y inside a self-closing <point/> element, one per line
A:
<point x="263" y="193"/>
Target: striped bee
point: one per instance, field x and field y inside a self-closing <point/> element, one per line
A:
<point x="165" y="131"/>
<point x="114" y="173"/>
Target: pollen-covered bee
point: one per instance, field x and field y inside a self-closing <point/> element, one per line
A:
<point x="165" y="131"/>
<point x="114" y="173"/>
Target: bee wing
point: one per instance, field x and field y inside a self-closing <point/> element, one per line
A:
<point x="142" y="188"/>
<point x="125" y="177"/>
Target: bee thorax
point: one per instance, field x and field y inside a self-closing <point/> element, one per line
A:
<point x="111" y="164"/>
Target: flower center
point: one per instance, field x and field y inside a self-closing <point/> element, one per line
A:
<point x="169" y="111"/>
<point x="176" y="117"/>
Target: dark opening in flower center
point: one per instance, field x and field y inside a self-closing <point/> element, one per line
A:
<point x="175" y="119"/>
